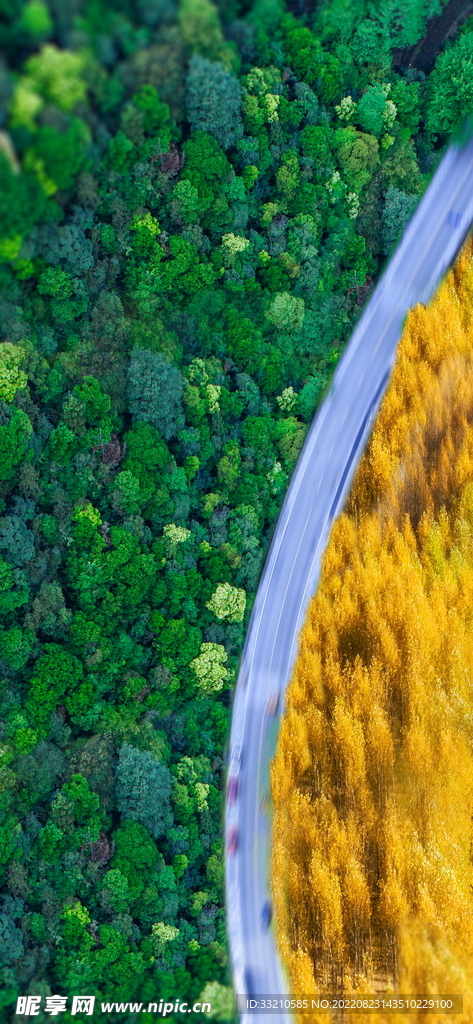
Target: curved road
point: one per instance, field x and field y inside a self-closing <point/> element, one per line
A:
<point x="316" y="495"/>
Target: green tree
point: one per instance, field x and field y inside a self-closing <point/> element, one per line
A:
<point x="136" y="855"/>
<point x="96" y="405"/>
<point x="287" y="176"/>
<point x="451" y="86"/>
<point x="15" y="432"/>
<point x="37" y="19"/>
<point x="56" y="673"/>
<point x="309" y="396"/>
<point x="371" y="43"/>
<point x="178" y="643"/>
<point x="121" y="153"/>
<point x="62" y="445"/>
<point x="303" y="51"/>
<point x="15" y="646"/>
<point x="59" y="156"/>
<point x="208" y="169"/>
<point x="370" y="111"/>
<point x="162" y="935"/>
<point x="185" y="202"/>
<point x="74" y="929"/>
<point x="289" y="435"/>
<point x="317" y="142"/>
<point x="13" y="592"/>
<point x="145" y="231"/>
<point x="22" y="204"/>
<point x="16" y="540"/>
<point x="228" y="468"/>
<point x="95" y="758"/>
<point x="85" y="802"/>
<point x="116" y="893"/>
<point x="156" y="117"/>
<point x="406" y="97"/>
<point x="40" y="769"/>
<point x="127" y="492"/>
<point x="147" y="458"/>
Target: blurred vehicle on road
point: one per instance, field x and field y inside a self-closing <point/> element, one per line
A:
<point x="273" y="705"/>
<point x="266" y="915"/>
<point x="232" y="789"/>
<point x="232" y="841"/>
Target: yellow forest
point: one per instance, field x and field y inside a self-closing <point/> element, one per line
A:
<point x="372" y="782"/>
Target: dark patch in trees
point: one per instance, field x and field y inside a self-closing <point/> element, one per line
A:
<point x="444" y="26"/>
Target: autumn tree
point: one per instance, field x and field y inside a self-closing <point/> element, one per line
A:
<point x="373" y="744"/>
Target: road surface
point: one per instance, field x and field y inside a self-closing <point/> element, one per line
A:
<point x="316" y="495"/>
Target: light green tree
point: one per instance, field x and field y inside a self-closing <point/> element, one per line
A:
<point x="174" y="535"/>
<point x="25" y="104"/>
<point x="199" y="899"/>
<point x="163" y="934"/>
<point x="12" y="378"/>
<point x="221" y="999"/>
<point x="209" y="667"/>
<point x="185" y="202"/>
<point x="286" y="311"/>
<point x="200" y="28"/>
<point x="232" y="246"/>
<point x="358" y="154"/>
<point x="287" y="399"/>
<point x="127" y="494"/>
<point x="228" y="602"/>
<point x="56" y="75"/>
<point x="115" y="891"/>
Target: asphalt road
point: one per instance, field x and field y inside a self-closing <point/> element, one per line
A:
<point x="316" y="495"/>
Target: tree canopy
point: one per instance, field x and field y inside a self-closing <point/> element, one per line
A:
<point x="196" y="200"/>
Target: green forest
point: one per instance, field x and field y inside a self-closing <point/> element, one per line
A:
<point x="196" y="200"/>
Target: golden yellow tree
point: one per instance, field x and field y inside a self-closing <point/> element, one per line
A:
<point x="372" y="782"/>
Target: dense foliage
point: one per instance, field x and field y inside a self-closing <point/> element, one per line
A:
<point x="194" y="201"/>
<point x="372" y="782"/>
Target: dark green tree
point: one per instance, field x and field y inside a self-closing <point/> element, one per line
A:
<point x="155" y="392"/>
<point x="213" y="99"/>
<point x="144" y="790"/>
<point x="398" y="208"/>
